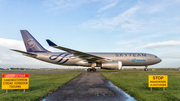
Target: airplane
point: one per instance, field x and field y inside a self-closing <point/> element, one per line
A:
<point x="71" y="57"/>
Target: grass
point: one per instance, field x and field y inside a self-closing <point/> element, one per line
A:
<point x="40" y="86"/>
<point x="136" y="84"/>
<point x="105" y="70"/>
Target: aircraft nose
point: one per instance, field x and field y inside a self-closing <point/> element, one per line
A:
<point x="159" y="60"/>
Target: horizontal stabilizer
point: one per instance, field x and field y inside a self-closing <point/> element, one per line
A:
<point x="25" y="53"/>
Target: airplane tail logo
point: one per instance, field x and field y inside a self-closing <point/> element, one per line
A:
<point x="32" y="45"/>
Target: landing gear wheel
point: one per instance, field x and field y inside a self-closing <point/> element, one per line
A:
<point x="145" y="69"/>
<point x="94" y="70"/>
<point x="88" y="70"/>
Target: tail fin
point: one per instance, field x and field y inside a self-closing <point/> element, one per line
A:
<point x="32" y="45"/>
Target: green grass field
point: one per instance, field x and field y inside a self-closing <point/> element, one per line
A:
<point x="136" y="84"/>
<point x="141" y="70"/>
<point x="40" y="86"/>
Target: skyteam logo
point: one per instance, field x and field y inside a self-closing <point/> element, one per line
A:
<point x="62" y="58"/>
<point x="137" y="60"/>
<point x="30" y="43"/>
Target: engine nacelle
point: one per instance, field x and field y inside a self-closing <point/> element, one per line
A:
<point x="115" y="65"/>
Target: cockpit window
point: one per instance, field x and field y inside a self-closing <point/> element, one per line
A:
<point x="156" y="57"/>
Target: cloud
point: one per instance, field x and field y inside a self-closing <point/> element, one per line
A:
<point x="152" y="36"/>
<point x="137" y="17"/>
<point x="129" y="42"/>
<point x="16" y="44"/>
<point x="6" y="55"/>
<point x="122" y="21"/>
<point x="155" y="8"/>
<point x="107" y="6"/>
<point x="12" y="44"/>
<point x="10" y="58"/>
<point x="170" y="55"/>
<point x="161" y="44"/>
<point x="61" y="4"/>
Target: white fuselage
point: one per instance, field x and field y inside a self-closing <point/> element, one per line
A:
<point x="127" y="59"/>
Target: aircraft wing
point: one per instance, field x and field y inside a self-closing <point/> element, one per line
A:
<point x="25" y="53"/>
<point x="85" y="56"/>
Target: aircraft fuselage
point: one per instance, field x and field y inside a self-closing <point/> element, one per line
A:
<point x="127" y="59"/>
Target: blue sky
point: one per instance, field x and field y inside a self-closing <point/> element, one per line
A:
<point x="149" y="26"/>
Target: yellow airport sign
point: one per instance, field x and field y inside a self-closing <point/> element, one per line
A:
<point x="158" y="81"/>
<point x="15" y="81"/>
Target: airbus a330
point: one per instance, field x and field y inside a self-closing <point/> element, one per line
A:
<point x="71" y="57"/>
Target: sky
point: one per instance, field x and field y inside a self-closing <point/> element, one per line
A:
<point x="148" y="26"/>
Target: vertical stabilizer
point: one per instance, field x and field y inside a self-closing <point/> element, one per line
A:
<point x="32" y="45"/>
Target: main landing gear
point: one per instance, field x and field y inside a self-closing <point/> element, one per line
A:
<point x="145" y="69"/>
<point x="91" y="69"/>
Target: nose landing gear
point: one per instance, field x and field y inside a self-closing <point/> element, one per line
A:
<point x="145" y="69"/>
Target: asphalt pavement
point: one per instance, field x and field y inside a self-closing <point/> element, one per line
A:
<point x="89" y="87"/>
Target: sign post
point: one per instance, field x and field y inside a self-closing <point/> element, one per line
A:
<point x="15" y="81"/>
<point x="158" y="81"/>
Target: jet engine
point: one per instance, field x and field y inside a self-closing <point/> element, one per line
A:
<point x="115" y="65"/>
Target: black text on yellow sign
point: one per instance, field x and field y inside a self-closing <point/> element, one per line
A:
<point x="15" y="81"/>
<point x="158" y="81"/>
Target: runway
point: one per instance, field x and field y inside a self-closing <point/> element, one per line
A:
<point x="89" y="87"/>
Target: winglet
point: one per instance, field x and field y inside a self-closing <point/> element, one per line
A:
<point x="50" y="43"/>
